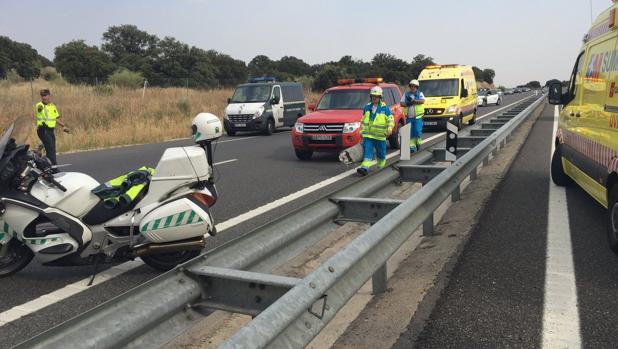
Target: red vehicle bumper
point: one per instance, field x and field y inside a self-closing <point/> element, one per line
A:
<point x="324" y="142"/>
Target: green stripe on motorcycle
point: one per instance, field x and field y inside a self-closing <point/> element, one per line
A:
<point x="2" y="236"/>
<point x="168" y="220"/>
<point x="155" y="226"/>
<point x="191" y="216"/>
<point x="5" y="227"/>
<point x="181" y="216"/>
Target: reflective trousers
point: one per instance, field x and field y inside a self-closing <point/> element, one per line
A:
<point x="380" y="149"/>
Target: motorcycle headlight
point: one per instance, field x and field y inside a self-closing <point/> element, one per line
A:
<point x="350" y="127"/>
<point x="452" y="109"/>
<point x="258" y="112"/>
<point x="299" y="126"/>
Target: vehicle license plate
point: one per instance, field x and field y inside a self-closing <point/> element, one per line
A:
<point x="431" y="123"/>
<point x="322" y="138"/>
<point x="240" y="125"/>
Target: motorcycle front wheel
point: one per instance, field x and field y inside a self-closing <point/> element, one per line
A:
<point x="167" y="261"/>
<point x="14" y="257"/>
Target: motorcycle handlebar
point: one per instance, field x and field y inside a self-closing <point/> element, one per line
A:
<point x="58" y="185"/>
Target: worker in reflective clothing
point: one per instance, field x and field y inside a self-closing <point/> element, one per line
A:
<point x="413" y="101"/>
<point x="377" y="125"/>
<point x="46" y="119"/>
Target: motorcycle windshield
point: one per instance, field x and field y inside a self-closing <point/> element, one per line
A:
<point x="18" y="130"/>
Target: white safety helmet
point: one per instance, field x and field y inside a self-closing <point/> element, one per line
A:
<point x="376" y="91"/>
<point x="414" y="82"/>
<point x="206" y="127"/>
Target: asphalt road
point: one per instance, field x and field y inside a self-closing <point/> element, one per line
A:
<point x="263" y="169"/>
<point x="495" y="296"/>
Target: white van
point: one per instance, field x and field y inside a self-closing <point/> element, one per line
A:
<point x="264" y="105"/>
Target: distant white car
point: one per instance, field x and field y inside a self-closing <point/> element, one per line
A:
<point x="487" y="97"/>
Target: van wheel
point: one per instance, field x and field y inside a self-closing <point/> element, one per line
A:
<point x="612" y="219"/>
<point x="303" y="154"/>
<point x="270" y="127"/>
<point x="484" y="102"/>
<point x="394" y="141"/>
<point x="473" y="120"/>
<point x="557" y="171"/>
<point x="499" y="101"/>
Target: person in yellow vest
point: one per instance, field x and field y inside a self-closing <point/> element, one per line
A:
<point x="46" y="119"/>
<point x="412" y="103"/>
<point x="376" y="126"/>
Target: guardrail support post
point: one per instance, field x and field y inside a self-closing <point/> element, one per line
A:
<point x="486" y="161"/>
<point x="473" y="174"/>
<point x="378" y="281"/>
<point x="428" y="226"/>
<point x="456" y="194"/>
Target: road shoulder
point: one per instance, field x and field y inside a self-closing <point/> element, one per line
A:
<point x="419" y="281"/>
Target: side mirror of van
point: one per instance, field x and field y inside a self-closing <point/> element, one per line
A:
<point x="311" y="106"/>
<point x="464" y="93"/>
<point x="555" y="92"/>
<point x="229" y="100"/>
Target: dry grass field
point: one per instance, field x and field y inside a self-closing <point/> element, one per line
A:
<point x="103" y="116"/>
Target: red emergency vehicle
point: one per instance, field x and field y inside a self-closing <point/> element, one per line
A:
<point x="334" y="123"/>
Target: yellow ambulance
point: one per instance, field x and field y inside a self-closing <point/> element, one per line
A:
<point x="450" y="95"/>
<point x="587" y="136"/>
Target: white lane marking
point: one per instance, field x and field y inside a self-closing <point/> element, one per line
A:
<point x="72" y="289"/>
<point x="560" y="313"/>
<point x="234" y="139"/>
<point x="224" y="162"/>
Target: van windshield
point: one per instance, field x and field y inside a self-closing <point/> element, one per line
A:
<point x="250" y="94"/>
<point x="344" y="99"/>
<point x="440" y="88"/>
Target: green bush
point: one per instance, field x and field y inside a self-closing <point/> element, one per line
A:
<point x="13" y="77"/>
<point x="126" y="78"/>
<point x="184" y="106"/>
<point x="49" y="74"/>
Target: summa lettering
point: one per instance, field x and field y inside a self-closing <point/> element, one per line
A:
<point x="603" y="62"/>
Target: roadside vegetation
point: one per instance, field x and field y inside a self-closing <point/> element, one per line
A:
<point x="139" y="88"/>
<point x="105" y="115"/>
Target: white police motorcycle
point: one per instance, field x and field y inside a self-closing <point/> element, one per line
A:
<point x="57" y="218"/>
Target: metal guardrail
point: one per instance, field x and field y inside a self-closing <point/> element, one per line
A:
<point x="289" y="312"/>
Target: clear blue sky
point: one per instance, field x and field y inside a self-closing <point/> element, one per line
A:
<point x="521" y="40"/>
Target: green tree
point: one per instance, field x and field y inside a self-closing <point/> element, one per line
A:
<point x="478" y="73"/>
<point x="228" y="71"/>
<point x="419" y="62"/>
<point x="534" y="84"/>
<point x="327" y="77"/>
<point x="293" y="66"/>
<point x="488" y="75"/>
<point x="130" y="47"/>
<point x="19" y="57"/>
<point x="78" y="62"/>
<point x="261" y="65"/>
